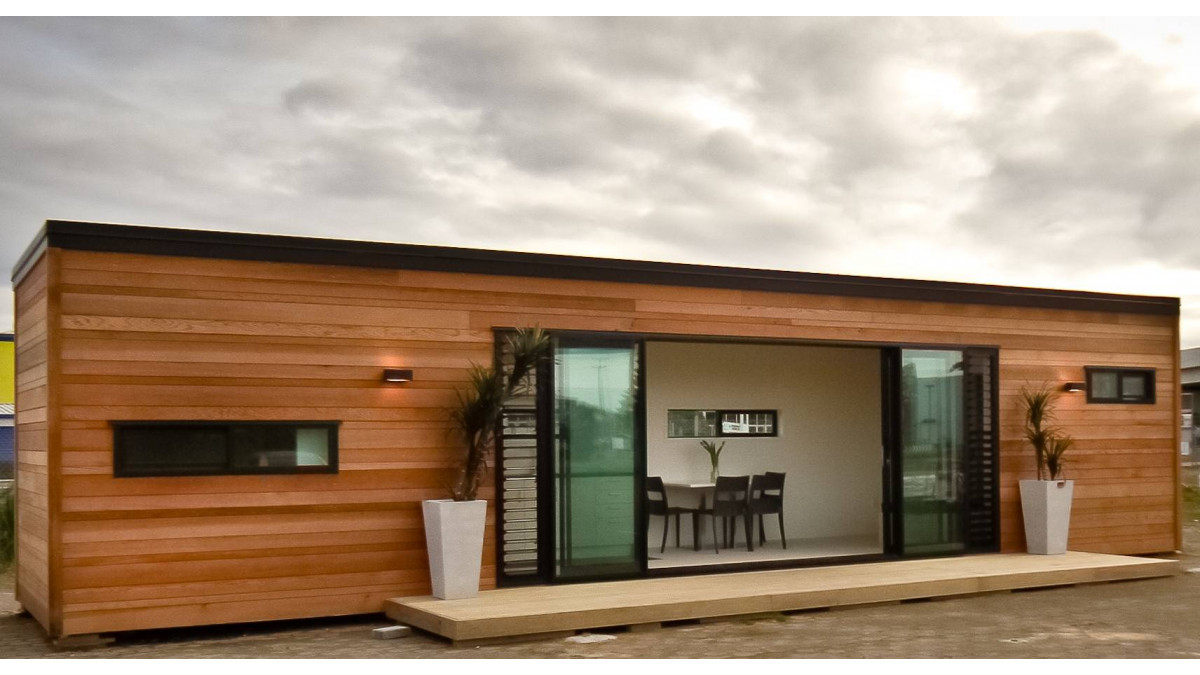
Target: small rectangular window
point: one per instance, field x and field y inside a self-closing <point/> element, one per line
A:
<point x="223" y="448"/>
<point x="1120" y="385"/>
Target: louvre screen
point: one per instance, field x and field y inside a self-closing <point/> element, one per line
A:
<point x="982" y="450"/>
<point x="517" y="476"/>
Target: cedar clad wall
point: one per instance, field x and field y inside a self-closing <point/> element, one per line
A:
<point x="160" y="338"/>
<point x="32" y="430"/>
<point x="214" y="340"/>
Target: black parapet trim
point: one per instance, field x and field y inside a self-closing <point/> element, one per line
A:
<point x="138" y="239"/>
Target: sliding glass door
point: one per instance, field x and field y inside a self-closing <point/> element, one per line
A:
<point x="597" y="468"/>
<point x="933" y="450"/>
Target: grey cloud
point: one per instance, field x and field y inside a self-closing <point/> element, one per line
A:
<point x="573" y="134"/>
<point x="1083" y="139"/>
<point x="321" y="96"/>
<point x="354" y="166"/>
<point x="732" y="152"/>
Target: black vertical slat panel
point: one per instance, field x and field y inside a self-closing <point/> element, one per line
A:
<point x="893" y="474"/>
<point x="983" y="453"/>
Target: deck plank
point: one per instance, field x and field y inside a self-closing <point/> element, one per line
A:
<point x="550" y="609"/>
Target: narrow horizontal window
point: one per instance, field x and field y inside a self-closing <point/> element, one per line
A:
<point x="1120" y="385"/>
<point x="716" y="423"/>
<point x="223" y="448"/>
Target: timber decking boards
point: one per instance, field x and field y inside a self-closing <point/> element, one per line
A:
<point x="545" y="609"/>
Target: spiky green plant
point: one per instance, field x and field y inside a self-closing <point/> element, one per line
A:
<point x="714" y="453"/>
<point x="1039" y="411"/>
<point x="8" y="527"/>
<point x="1048" y="441"/>
<point x="1055" y="448"/>
<point x="480" y="406"/>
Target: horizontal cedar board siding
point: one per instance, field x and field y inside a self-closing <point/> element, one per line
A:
<point x="147" y="337"/>
<point x="32" y="461"/>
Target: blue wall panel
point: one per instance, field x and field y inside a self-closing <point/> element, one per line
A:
<point x="6" y="452"/>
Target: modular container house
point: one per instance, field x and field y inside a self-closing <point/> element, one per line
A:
<point x="217" y="427"/>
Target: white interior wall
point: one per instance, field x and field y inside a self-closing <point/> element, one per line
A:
<point x="829" y="441"/>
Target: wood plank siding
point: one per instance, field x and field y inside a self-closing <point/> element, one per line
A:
<point x="33" y="460"/>
<point x="156" y="337"/>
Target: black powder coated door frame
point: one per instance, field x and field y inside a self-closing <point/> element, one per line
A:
<point x="893" y="475"/>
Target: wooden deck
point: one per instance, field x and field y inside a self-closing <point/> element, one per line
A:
<point x="530" y="611"/>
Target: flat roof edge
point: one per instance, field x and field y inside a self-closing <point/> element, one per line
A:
<point x="138" y="239"/>
<point x="30" y="256"/>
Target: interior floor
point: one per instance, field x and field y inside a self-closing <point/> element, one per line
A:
<point x="797" y="549"/>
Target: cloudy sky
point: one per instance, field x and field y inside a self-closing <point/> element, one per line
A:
<point x="1062" y="153"/>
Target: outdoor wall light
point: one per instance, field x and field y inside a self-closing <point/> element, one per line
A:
<point x="397" y="375"/>
<point x="1073" y="387"/>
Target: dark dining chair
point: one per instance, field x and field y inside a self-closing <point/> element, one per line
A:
<point x="729" y="502"/>
<point x="657" y="505"/>
<point x="766" y="498"/>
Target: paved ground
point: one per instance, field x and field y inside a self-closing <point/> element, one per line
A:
<point x="1138" y="619"/>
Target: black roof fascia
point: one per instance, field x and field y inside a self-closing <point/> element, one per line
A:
<point x="104" y="237"/>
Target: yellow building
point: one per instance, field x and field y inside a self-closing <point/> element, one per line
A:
<point x="7" y="390"/>
<point x="7" y="399"/>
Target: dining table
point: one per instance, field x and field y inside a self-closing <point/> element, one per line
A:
<point x="697" y="492"/>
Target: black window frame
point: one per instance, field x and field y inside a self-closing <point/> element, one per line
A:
<point x="747" y="411"/>
<point x="121" y="470"/>
<point x="1147" y="374"/>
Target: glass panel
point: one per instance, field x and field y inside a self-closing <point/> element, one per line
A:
<point x="594" y="461"/>
<point x="172" y="451"/>
<point x="1103" y="386"/>
<point x="312" y="447"/>
<point x="933" y="451"/>
<point x="268" y="445"/>
<point x="748" y="423"/>
<point x="263" y="446"/>
<point x="691" y="423"/>
<point x="1133" y="387"/>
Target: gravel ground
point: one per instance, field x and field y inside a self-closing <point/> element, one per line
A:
<point x="1137" y="619"/>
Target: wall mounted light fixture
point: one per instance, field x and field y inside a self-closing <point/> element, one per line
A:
<point x="1073" y="387"/>
<point x="397" y="375"/>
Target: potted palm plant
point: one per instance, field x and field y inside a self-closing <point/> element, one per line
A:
<point x="454" y="527"/>
<point x="1045" y="502"/>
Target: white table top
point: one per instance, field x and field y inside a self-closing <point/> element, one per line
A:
<point x="690" y="486"/>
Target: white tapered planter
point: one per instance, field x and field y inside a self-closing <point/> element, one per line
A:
<point x="1046" y="506"/>
<point x="454" y="538"/>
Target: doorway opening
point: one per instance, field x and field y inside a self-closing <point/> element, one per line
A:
<point x="820" y="441"/>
